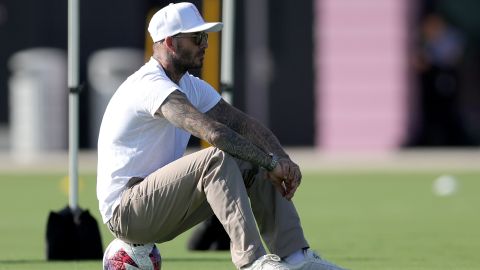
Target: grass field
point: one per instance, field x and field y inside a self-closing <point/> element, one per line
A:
<point x="361" y="220"/>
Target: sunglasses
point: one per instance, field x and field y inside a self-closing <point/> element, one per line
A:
<point x="198" y="38"/>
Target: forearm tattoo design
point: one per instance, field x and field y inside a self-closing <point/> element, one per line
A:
<point x="181" y="113"/>
<point x="248" y="127"/>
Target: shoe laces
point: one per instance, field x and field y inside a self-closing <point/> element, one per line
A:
<point x="271" y="259"/>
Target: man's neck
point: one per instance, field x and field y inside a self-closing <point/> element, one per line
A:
<point x="170" y="69"/>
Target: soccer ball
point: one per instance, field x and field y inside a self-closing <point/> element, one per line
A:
<point x="123" y="256"/>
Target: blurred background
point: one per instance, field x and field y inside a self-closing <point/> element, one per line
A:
<point x="336" y="75"/>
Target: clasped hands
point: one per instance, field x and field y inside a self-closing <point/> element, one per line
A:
<point x="286" y="177"/>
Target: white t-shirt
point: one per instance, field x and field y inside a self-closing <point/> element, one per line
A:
<point x="133" y="141"/>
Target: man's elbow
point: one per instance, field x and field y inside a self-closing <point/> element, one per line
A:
<point x="218" y="137"/>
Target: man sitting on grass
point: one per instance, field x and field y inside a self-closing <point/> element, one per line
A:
<point x="149" y="192"/>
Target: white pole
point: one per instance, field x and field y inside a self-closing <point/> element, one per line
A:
<point x="73" y="84"/>
<point x="226" y="74"/>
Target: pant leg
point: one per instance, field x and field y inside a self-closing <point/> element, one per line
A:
<point x="277" y="218"/>
<point x="185" y="192"/>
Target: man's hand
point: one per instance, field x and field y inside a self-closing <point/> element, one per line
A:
<point x="286" y="177"/>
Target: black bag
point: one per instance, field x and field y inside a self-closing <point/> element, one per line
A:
<point x="73" y="236"/>
<point x="210" y="235"/>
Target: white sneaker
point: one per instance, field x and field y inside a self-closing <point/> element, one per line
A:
<point x="313" y="262"/>
<point x="267" y="262"/>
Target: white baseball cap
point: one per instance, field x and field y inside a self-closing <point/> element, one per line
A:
<point x="179" y="18"/>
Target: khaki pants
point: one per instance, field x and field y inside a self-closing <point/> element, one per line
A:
<point x="185" y="192"/>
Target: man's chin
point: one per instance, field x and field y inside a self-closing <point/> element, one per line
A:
<point x="201" y="60"/>
<point x="197" y="66"/>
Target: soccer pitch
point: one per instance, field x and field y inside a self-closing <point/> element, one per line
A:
<point x="359" y="219"/>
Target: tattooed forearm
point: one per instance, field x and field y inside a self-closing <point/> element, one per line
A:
<point x="247" y="127"/>
<point x="181" y="113"/>
<point x="236" y="145"/>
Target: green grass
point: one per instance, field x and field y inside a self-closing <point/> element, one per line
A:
<point x="362" y="220"/>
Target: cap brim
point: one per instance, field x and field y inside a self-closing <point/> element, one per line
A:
<point x="206" y="27"/>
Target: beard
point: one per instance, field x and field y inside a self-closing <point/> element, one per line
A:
<point x="187" y="59"/>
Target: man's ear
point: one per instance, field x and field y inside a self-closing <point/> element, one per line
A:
<point x="169" y="43"/>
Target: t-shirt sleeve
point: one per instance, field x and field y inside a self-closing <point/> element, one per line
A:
<point x="157" y="92"/>
<point x="201" y="94"/>
<point x="206" y="96"/>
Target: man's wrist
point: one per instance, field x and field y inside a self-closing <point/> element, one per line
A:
<point x="273" y="162"/>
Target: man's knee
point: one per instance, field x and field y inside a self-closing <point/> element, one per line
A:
<point x="221" y="155"/>
<point x="248" y="170"/>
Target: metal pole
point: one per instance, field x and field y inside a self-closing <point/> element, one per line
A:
<point x="226" y="74"/>
<point x="73" y="83"/>
<point x="258" y="60"/>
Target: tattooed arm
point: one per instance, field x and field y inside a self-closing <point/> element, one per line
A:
<point x="261" y="136"/>
<point x="180" y="112"/>
<point x="247" y="127"/>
